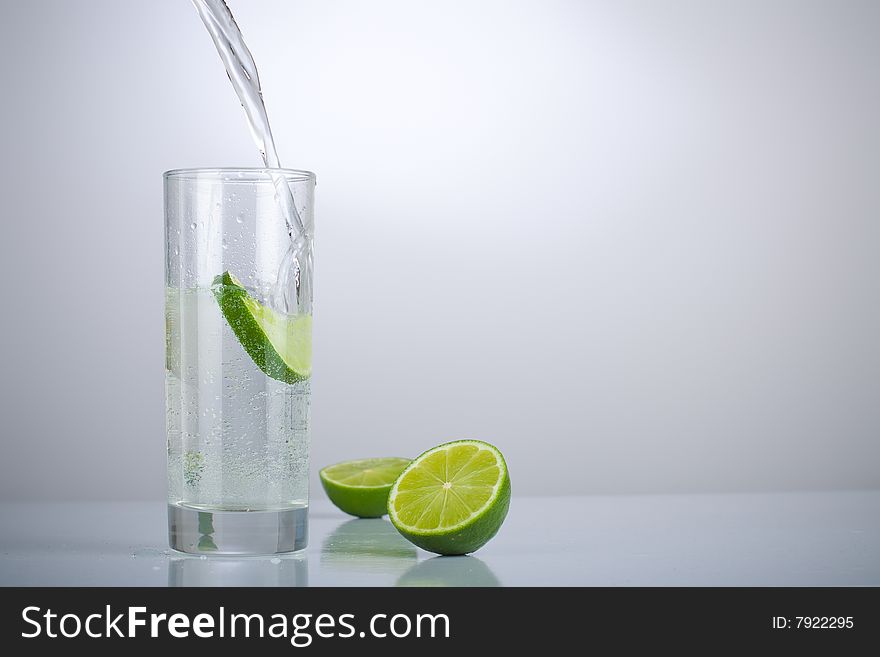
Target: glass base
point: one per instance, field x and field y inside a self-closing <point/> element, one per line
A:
<point x="198" y="531"/>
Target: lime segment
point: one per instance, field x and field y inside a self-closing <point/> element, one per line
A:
<point x="361" y="488"/>
<point x="280" y="345"/>
<point x="453" y="498"/>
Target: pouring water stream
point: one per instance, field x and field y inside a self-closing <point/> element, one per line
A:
<point x="242" y="72"/>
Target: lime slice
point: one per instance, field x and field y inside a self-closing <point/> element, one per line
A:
<point x="280" y="345"/>
<point x="172" y="330"/>
<point x="453" y="498"/>
<point x="361" y="487"/>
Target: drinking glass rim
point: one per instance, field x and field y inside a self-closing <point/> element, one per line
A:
<point x="240" y="174"/>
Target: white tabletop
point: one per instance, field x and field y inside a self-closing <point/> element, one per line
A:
<point x="676" y="540"/>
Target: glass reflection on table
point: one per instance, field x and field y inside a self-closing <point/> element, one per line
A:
<point x="287" y="571"/>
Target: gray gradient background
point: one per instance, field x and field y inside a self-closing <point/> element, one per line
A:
<point x="632" y="243"/>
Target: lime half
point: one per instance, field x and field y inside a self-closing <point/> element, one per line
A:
<point x="361" y="487"/>
<point x="280" y="345"/>
<point x="453" y="498"/>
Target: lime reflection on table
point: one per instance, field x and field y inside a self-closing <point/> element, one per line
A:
<point x="449" y="571"/>
<point x="367" y="545"/>
<point x="374" y="546"/>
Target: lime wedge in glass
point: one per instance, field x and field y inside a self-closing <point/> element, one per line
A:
<point x="280" y="345"/>
<point x="453" y="498"/>
<point x="361" y="487"/>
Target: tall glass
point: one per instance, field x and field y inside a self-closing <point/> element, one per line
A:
<point x="238" y="360"/>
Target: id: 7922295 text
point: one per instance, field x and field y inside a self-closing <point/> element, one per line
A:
<point x="813" y="622"/>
